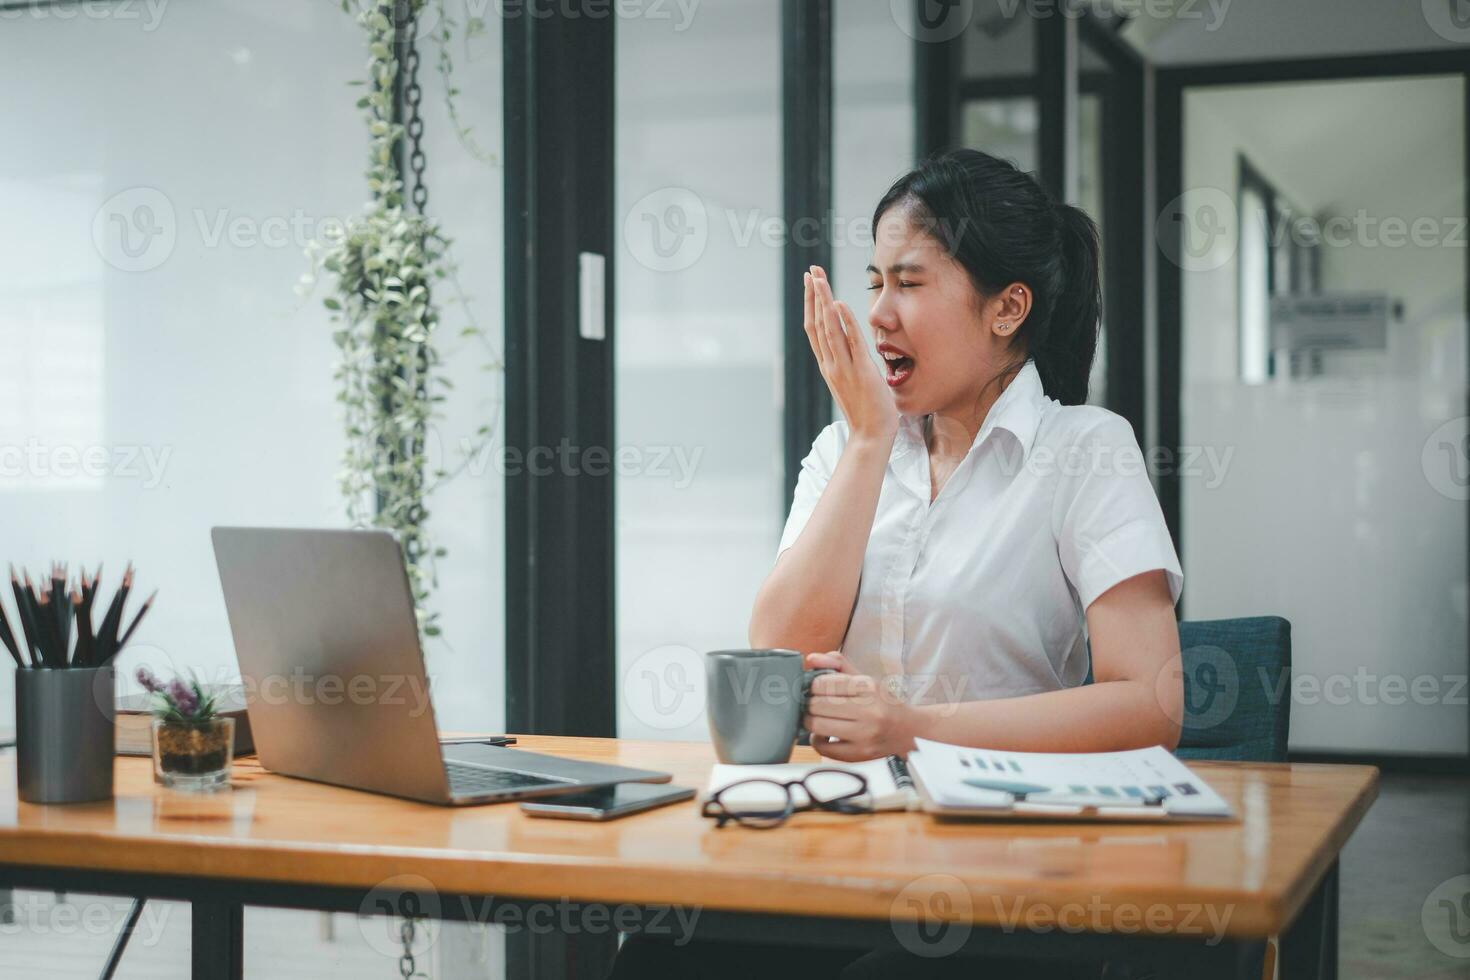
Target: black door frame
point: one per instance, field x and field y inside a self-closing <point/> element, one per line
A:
<point x="559" y="595"/>
<point x="940" y="91"/>
<point x="806" y="192"/>
<point x="1171" y="84"/>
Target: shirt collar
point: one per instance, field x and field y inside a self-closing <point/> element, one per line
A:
<point x="1017" y="411"/>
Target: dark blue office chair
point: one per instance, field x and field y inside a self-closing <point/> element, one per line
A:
<point x="1237" y="689"/>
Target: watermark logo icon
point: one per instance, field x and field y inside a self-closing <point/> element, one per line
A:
<point x="1198" y="231"/>
<point x="664" y="687"/>
<point x="394" y="901"/>
<point x="135" y="230"/>
<point x="1211" y="687"/>
<point x="932" y="21"/>
<point x="1450" y="19"/>
<point x="1445" y="917"/>
<point x="932" y="916"/>
<point x="667" y="230"/>
<point x="1445" y="459"/>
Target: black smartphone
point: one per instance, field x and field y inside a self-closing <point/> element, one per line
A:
<point x="609" y="802"/>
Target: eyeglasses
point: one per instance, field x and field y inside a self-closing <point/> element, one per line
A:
<point x="765" y="803"/>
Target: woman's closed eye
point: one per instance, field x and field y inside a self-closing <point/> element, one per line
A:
<point x="902" y="284"/>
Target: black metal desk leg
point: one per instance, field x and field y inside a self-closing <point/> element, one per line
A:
<point x="552" y="954"/>
<point x="1309" y="946"/>
<point x="219" y="940"/>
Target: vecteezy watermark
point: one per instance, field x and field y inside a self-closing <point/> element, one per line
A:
<point x="937" y="21"/>
<point x="1363" y="229"/>
<point x="147" y="13"/>
<point x="1445" y="459"/>
<point x="1445" y="917"/>
<point x="664" y="688"/>
<point x="305" y="688"/>
<point x="654" y="462"/>
<point x="1199" y="230"/>
<point x="412" y="692"/>
<point x="135" y="230"/>
<point x="668" y="230"/>
<point x="1366" y="687"/>
<point x="1098" y="914"/>
<point x="932" y="916"/>
<point x="1450" y="19"/>
<point x="1202" y="229"/>
<point x="61" y="464"/>
<point x="138" y="229"/>
<point x="680" y="12"/>
<point x="1211" y="687"/>
<point x="413" y="898"/>
<point x="42" y="913"/>
<point x="1214" y="686"/>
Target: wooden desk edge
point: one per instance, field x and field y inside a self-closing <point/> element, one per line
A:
<point x="581" y="880"/>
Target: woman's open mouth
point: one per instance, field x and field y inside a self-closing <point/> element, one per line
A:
<point x="900" y="365"/>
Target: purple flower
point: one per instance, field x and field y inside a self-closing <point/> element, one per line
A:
<point x="149" y="682"/>
<point x="183" y="697"/>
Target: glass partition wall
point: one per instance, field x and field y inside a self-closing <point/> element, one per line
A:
<point x="1322" y="372"/>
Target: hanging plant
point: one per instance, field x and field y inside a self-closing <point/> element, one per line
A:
<point x="383" y="265"/>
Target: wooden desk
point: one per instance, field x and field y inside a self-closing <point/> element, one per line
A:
<point x="1203" y="894"/>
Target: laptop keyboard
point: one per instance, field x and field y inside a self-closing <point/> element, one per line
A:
<point x="473" y="781"/>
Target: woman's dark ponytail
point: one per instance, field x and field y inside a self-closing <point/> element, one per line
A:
<point x="1003" y="227"/>
<point x="1064" y="360"/>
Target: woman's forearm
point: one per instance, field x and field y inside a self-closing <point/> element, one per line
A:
<point x="806" y="601"/>
<point x="1101" y="717"/>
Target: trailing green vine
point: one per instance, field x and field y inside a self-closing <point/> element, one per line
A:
<point x="384" y="264"/>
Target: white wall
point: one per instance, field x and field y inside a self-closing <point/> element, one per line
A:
<point x="233" y="121"/>
<point x="698" y="348"/>
<point x="1324" y="513"/>
<point x="1202" y="31"/>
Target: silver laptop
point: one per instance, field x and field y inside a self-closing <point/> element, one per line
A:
<point x="328" y="645"/>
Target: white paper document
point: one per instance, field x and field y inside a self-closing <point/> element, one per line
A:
<point x="1143" y="784"/>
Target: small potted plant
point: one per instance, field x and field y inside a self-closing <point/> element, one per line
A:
<point x="193" y="745"/>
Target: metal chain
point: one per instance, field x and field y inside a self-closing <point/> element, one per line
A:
<point x="414" y="125"/>
<point x="406" y="966"/>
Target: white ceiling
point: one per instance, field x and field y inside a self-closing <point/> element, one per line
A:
<point x="1182" y="32"/>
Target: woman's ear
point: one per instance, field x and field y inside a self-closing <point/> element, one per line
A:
<point x="1012" y="305"/>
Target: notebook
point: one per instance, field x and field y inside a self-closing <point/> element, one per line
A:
<point x="1144" y="784"/>
<point x="890" y="786"/>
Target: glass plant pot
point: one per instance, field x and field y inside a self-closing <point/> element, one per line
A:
<point x="193" y="757"/>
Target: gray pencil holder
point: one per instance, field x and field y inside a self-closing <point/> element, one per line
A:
<point x="65" y="732"/>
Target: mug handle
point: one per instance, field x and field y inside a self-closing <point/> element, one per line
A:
<point x="804" y="737"/>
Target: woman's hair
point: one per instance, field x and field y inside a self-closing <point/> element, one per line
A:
<point x="1003" y="227"/>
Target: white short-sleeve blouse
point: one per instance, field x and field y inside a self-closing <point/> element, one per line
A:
<point x="982" y="593"/>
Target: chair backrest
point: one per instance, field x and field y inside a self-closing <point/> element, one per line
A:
<point x="1237" y="697"/>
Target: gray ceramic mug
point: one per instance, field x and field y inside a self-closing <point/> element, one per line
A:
<point x="755" y="700"/>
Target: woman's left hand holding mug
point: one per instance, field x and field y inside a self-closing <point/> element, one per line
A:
<point x="852" y="717"/>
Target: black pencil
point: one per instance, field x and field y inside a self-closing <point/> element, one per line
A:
<point x="25" y="597"/>
<point x="107" y="632"/>
<point x="84" y="632"/>
<point x="148" y="604"/>
<point x="23" y="618"/>
<point x="9" y="638"/>
<point x="86" y="638"/>
<point x="63" y="609"/>
<point x="46" y="620"/>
